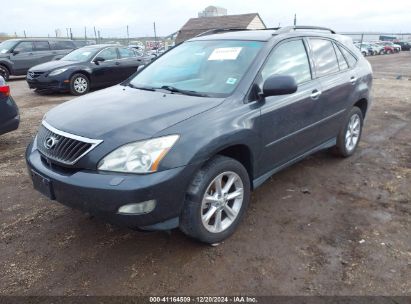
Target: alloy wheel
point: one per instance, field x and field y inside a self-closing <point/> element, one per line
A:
<point x="352" y="134"/>
<point x="80" y="85"/>
<point x="222" y="202"/>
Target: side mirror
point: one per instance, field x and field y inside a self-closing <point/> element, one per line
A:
<point x="15" y="52"/>
<point x="97" y="60"/>
<point x="279" y="85"/>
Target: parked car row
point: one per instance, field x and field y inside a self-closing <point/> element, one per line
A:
<point x="382" y="47"/>
<point x="61" y="65"/>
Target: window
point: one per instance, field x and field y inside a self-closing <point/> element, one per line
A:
<point x="108" y="54"/>
<point x="62" y="45"/>
<point x="24" y="47"/>
<point x="341" y="60"/>
<point x="350" y="58"/>
<point x="126" y="53"/>
<point x="324" y="56"/>
<point x="41" y="45"/>
<point x="290" y="58"/>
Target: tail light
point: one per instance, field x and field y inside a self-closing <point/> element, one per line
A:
<point x="5" y="90"/>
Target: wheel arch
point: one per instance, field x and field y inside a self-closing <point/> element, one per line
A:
<point x="363" y="105"/>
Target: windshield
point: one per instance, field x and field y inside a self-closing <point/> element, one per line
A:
<point x="6" y="46"/>
<point x="212" y="68"/>
<point x="83" y="54"/>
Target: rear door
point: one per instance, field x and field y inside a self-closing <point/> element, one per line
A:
<point x="288" y="122"/>
<point x="60" y="48"/>
<point x="338" y="83"/>
<point x="42" y="51"/>
<point x="24" y="58"/>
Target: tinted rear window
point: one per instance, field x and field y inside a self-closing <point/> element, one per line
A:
<point x="41" y="45"/>
<point x="324" y="56"/>
<point x="62" y="45"/>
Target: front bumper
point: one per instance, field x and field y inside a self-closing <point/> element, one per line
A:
<point x="102" y="194"/>
<point x="48" y="83"/>
<point x="10" y="125"/>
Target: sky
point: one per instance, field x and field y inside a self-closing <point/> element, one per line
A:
<point x="43" y="17"/>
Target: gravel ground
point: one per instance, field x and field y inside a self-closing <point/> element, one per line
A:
<point x="326" y="226"/>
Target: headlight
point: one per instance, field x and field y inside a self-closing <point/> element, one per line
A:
<point x="138" y="157"/>
<point x="58" y="71"/>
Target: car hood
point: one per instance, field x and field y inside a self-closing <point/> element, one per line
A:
<point x="122" y="114"/>
<point x="52" y="65"/>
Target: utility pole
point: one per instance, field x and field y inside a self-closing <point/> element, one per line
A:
<point x="85" y="33"/>
<point x="71" y="34"/>
<point x="67" y="32"/>
<point x="99" y="36"/>
<point x="128" y="37"/>
<point x="25" y="36"/>
<point x="155" y="38"/>
<point x="95" y="34"/>
<point x="295" y="19"/>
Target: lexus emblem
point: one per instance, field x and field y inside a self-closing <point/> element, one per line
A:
<point x="50" y="142"/>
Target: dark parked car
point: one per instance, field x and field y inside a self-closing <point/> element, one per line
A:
<point x="19" y="55"/>
<point x="89" y="67"/>
<point x="184" y="142"/>
<point x="405" y="46"/>
<point x="9" y="113"/>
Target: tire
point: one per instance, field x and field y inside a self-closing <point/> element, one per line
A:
<point x="199" y="218"/>
<point x="79" y="84"/>
<point x="4" y="72"/>
<point x="364" y="54"/>
<point x="382" y="52"/>
<point x="349" y="135"/>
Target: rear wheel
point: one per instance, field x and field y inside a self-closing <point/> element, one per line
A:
<point x="216" y="200"/>
<point x="79" y="84"/>
<point x="364" y="53"/>
<point x="4" y="72"/>
<point x="350" y="134"/>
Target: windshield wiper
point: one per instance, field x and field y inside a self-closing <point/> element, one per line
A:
<point x="141" y="88"/>
<point x="185" y="92"/>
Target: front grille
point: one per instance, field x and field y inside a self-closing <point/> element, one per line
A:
<point x="34" y="75"/>
<point x="62" y="147"/>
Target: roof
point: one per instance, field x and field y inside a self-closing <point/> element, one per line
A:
<point x="196" y="26"/>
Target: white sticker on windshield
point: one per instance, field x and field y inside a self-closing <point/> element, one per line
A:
<point x="3" y="51"/>
<point x="225" y="53"/>
<point x="85" y="53"/>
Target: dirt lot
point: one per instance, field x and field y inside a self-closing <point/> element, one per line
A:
<point x="325" y="226"/>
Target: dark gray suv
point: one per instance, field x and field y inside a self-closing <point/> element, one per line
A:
<point x="17" y="56"/>
<point x="184" y="142"/>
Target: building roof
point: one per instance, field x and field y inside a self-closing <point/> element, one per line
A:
<point x="196" y="26"/>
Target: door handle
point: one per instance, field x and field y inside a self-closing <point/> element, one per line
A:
<point x="353" y="80"/>
<point x="315" y="94"/>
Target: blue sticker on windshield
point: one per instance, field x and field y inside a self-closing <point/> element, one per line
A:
<point x="231" y="81"/>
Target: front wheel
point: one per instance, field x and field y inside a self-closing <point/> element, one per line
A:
<point x="216" y="200"/>
<point x="79" y="84"/>
<point x="350" y="134"/>
<point x="4" y="72"/>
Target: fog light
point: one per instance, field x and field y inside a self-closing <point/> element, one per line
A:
<point x="138" y="208"/>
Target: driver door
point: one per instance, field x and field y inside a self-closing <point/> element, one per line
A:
<point x="106" y="72"/>
<point x="288" y="121"/>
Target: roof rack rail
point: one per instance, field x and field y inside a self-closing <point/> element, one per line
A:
<point x="220" y="30"/>
<point x="288" y="29"/>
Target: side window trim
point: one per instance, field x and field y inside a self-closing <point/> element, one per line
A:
<point x="348" y="51"/>
<point x="339" y="70"/>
